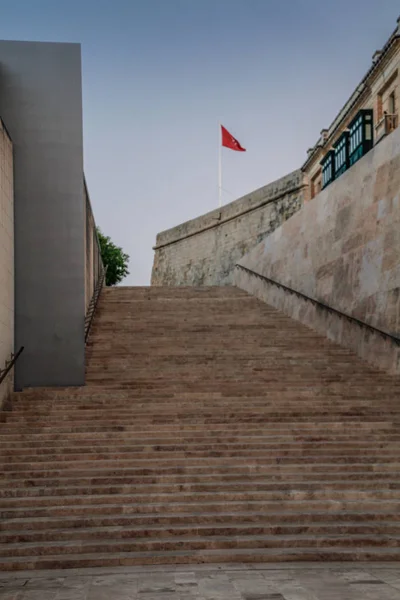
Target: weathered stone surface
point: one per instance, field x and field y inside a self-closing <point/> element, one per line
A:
<point x="203" y="251"/>
<point x="246" y="582"/>
<point x="6" y="259"/>
<point x="212" y="428"/>
<point x="343" y="249"/>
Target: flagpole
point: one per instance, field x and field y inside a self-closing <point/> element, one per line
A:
<point x="219" y="166"/>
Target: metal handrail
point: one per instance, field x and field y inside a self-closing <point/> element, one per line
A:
<point x="93" y="304"/>
<point x="9" y="364"/>
<point x="358" y="322"/>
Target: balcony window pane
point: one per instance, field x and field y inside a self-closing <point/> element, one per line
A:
<point x="361" y="135"/>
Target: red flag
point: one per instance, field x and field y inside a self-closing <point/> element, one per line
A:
<point x="229" y="141"/>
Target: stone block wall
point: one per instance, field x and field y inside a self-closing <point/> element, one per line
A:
<point x="343" y="249"/>
<point x="203" y="251"/>
<point x="6" y="259"/>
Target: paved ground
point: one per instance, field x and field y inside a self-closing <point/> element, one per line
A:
<point x="232" y="582"/>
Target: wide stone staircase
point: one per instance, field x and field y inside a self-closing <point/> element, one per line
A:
<point x="212" y="429"/>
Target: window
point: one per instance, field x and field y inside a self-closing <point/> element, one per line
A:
<point x="386" y="100"/>
<point x="316" y="184"/>
<point x="342" y="154"/>
<point x="392" y="104"/>
<point x="379" y="107"/>
<point x="328" y="168"/>
<point x="360" y="135"/>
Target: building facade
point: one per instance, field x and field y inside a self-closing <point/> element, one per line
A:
<point x="370" y="114"/>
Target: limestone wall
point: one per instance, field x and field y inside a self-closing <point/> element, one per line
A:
<point x="6" y="258"/>
<point x="203" y="251"/>
<point x="343" y="249"/>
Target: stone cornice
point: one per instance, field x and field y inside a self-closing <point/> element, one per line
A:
<point x="359" y="95"/>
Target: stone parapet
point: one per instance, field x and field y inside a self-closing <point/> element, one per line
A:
<point x="203" y="251"/>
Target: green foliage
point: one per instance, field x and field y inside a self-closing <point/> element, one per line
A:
<point x="114" y="258"/>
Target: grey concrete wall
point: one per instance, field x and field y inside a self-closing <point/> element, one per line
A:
<point x="203" y="251"/>
<point x="41" y="103"/>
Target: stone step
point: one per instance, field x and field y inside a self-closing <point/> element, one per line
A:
<point x="174" y="543"/>
<point x="209" y="390"/>
<point x="168" y="431"/>
<point x="140" y="385"/>
<point x="230" y="363"/>
<point x="69" y="561"/>
<point x="123" y="407"/>
<point x="229" y="346"/>
<point x="155" y="496"/>
<point x="377" y="528"/>
<point x="217" y="505"/>
<point x="170" y="374"/>
<point x="157" y="423"/>
<point x="389" y="479"/>
<point x="201" y="413"/>
<point x="111" y="442"/>
<point x="147" y="448"/>
<point x="170" y="520"/>
<point x="113" y="409"/>
<point x="129" y="448"/>
<point x="185" y="460"/>
<point x="331" y="487"/>
<point x="304" y="471"/>
<point x="162" y="456"/>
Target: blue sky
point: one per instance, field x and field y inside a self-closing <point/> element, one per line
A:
<point x="158" y="76"/>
